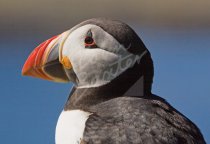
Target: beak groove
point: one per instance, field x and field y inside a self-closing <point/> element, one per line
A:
<point x="45" y="60"/>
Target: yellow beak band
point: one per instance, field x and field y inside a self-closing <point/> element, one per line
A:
<point x="66" y="62"/>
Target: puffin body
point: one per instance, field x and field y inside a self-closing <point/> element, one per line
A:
<point x="111" y="101"/>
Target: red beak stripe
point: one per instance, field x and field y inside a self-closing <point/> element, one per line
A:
<point x="34" y="63"/>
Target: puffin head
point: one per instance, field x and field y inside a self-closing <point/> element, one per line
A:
<point x="92" y="54"/>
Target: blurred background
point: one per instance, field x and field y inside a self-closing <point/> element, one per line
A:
<point x="177" y="33"/>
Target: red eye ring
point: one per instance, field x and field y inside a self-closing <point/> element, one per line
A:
<point x="89" y="42"/>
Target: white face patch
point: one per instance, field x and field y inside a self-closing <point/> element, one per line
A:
<point x="70" y="127"/>
<point x="96" y="66"/>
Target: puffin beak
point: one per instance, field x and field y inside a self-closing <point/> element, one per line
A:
<point x="46" y="61"/>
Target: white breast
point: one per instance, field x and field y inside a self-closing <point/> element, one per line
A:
<point x="70" y="127"/>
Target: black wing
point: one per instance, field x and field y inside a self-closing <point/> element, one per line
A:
<point x="131" y="120"/>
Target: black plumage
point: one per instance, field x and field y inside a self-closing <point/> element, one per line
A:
<point x="132" y="119"/>
<point x="135" y="120"/>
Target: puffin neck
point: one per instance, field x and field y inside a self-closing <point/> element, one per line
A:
<point x="83" y="98"/>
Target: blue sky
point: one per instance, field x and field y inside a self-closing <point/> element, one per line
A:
<point x="30" y="107"/>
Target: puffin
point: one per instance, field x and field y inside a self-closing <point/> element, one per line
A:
<point x="111" y="101"/>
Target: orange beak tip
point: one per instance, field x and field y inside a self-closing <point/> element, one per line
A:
<point x="25" y="72"/>
<point x="37" y="63"/>
<point x="27" y="67"/>
<point x="34" y="61"/>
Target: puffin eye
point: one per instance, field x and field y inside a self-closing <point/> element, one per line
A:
<point x="89" y="41"/>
